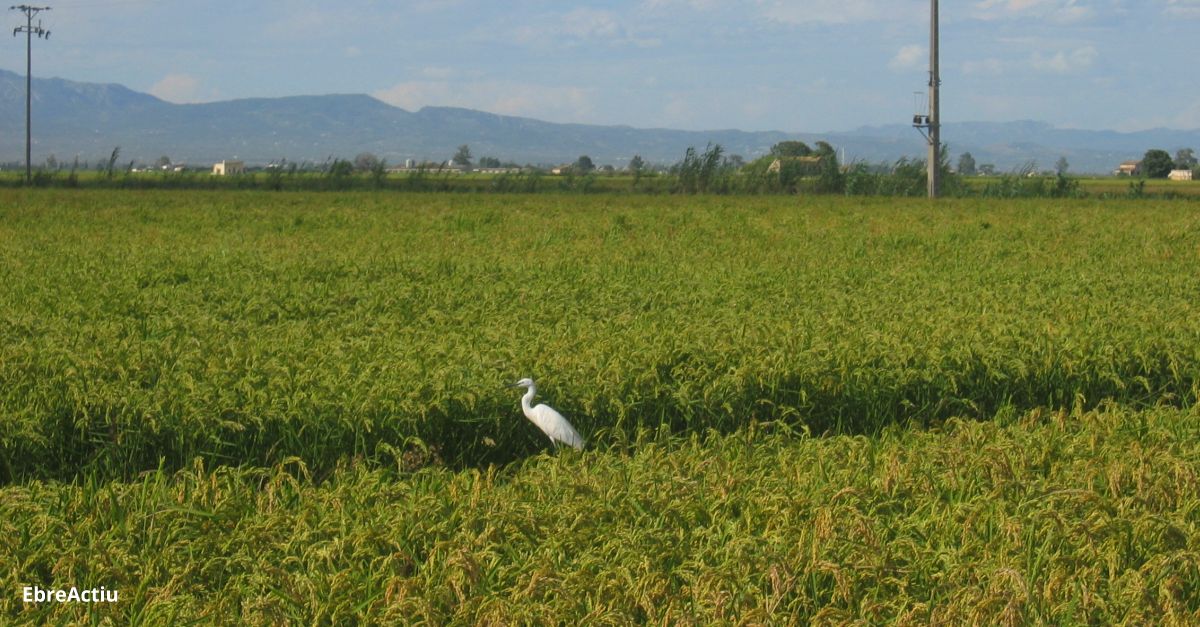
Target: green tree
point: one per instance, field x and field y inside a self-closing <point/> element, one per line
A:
<point x="365" y="162"/>
<point x="340" y="169"/>
<point x="584" y="164"/>
<point x="1185" y="159"/>
<point x="489" y="162"/>
<point x="1157" y="164"/>
<point x="966" y="164"/>
<point x="379" y="172"/>
<point x="791" y="149"/>
<point x="831" y="180"/>
<point x="1061" y="166"/>
<point x="637" y="166"/>
<point x="462" y="157"/>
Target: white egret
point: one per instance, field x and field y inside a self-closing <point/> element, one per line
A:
<point x="547" y="419"/>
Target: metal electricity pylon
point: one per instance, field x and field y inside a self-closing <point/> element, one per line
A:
<point x="30" y="30"/>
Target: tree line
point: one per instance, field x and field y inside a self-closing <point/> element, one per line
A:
<point x="789" y="167"/>
<point x="1155" y="164"/>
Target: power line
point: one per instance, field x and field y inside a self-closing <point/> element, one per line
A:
<point x="30" y="30"/>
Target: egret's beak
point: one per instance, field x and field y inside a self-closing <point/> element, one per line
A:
<point x="513" y="385"/>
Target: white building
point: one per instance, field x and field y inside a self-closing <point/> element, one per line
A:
<point x="1180" y="175"/>
<point x="229" y="167"/>
<point x="1129" y="168"/>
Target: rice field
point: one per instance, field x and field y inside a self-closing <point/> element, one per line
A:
<point x="290" y="407"/>
<point x="1036" y="518"/>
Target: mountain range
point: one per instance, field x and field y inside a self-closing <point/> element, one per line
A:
<point x="87" y="120"/>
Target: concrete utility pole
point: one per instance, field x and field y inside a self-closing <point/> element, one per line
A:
<point x="935" y="105"/>
<point x="30" y="30"/>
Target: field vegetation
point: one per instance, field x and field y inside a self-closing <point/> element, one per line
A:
<point x="283" y="407"/>
<point x="1036" y="518"/>
<point x="698" y="172"/>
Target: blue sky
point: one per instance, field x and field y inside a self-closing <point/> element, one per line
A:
<point x="794" y="65"/>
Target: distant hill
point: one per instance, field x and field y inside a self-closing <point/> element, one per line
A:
<point x="89" y="119"/>
<point x="1011" y="145"/>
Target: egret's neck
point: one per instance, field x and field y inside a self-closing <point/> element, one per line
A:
<point x="527" y="400"/>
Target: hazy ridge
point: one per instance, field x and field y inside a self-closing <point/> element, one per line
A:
<point x="89" y="119"/>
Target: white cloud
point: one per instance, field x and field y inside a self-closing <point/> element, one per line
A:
<point x="679" y="108"/>
<point x="308" y="26"/>
<point x="1073" y="13"/>
<point x="988" y="66"/>
<point x="794" y="13"/>
<point x="1061" y="11"/>
<point x="998" y="106"/>
<point x="413" y="95"/>
<point x="430" y="6"/>
<point x="1188" y="116"/>
<point x="1183" y="8"/>
<point x="182" y="88"/>
<point x="583" y="26"/>
<point x="1065" y="62"/>
<point x="1012" y="5"/>
<point x="298" y="24"/>
<point x="438" y="72"/>
<point x="546" y="102"/>
<point x="587" y="23"/>
<point x="839" y="11"/>
<point x="698" y="5"/>
<point x="910" y="57"/>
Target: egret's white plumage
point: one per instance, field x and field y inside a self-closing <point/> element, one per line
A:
<point x="547" y="419"/>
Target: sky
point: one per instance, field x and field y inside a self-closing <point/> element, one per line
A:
<point x="790" y="65"/>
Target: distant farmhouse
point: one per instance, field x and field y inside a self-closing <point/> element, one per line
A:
<point x="1180" y="175"/>
<point x="806" y="163"/>
<point x="1129" y="168"/>
<point x="226" y="168"/>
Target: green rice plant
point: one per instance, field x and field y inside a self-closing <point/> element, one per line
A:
<point x="1040" y="517"/>
<point x="142" y="328"/>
